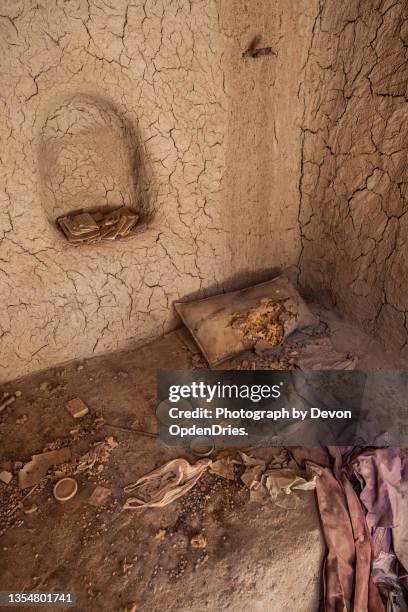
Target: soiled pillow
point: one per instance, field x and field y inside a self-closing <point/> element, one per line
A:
<point x="225" y="325"/>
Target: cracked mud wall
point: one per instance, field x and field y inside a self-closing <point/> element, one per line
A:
<point x="147" y="103"/>
<point x="353" y="213"/>
<point x="78" y="80"/>
<point x="263" y="141"/>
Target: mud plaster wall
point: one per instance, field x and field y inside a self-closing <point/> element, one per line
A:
<point x="353" y="213"/>
<point x="263" y="167"/>
<point x="145" y="103"/>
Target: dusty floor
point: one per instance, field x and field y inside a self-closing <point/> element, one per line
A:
<point x="257" y="557"/>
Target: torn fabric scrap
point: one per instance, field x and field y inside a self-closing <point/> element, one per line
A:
<point x="171" y="481"/>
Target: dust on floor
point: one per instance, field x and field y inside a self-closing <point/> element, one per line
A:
<point x="257" y="557"/>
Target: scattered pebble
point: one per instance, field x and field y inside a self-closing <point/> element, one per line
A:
<point x="126" y="566"/>
<point x="7" y="402"/>
<point x="6" y="476"/>
<point x="160" y="535"/>
<point x="198" y="541"/>
<point x="112" y="442"/>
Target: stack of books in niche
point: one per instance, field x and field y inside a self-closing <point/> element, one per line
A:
<point x="92" y="227"/>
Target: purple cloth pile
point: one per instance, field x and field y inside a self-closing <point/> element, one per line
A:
<point x="362" y="495"/>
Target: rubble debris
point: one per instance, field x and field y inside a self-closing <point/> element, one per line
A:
<point x="36" y="469"/>
<point x="7" y="402"/>
<point x="77" y="408"/>
<point x="65" y="489"/>
<point x="198" y="541"/>
<point x="228" y="324"/>
<point x="88" y="227"/>
<point x="99" y="496"/>
<point x="6" y="476"/>
<point x="30" y="509"/>
<point x="11" y="505"/>
<point x="97" y="455"/>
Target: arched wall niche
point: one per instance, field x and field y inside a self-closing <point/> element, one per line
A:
<point x="91" y="158"/>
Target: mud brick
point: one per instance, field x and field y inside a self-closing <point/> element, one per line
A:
<point x="99" y="496"/>
<point x="77" y="408"/>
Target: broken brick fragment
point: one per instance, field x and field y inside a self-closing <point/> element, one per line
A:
<point x="77" y="408"/>
<point x="99" y="496"/>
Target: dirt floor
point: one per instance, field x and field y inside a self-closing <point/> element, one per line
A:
<point x="257" y="556"/>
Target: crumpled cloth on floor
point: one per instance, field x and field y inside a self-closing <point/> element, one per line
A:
<point x="381" y="472"/>
<point x="175" y="478"/>
<point x="383" y="475"/>
<point x="389" y="583"/>
<point x="359" y="525"/>
<point x="169" y="482"/>
<point x="276" y="483"/>
<point x="362" y="496"/>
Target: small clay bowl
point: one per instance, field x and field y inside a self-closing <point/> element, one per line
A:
<point x="65" y="489"/>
